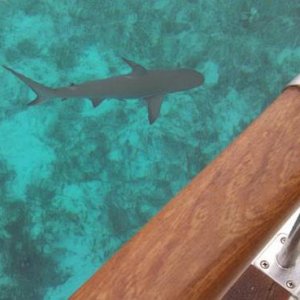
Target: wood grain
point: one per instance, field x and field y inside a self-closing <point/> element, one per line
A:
<point x="204" y="238"/>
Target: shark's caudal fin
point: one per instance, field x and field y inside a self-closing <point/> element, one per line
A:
<point x="43" y="93"/>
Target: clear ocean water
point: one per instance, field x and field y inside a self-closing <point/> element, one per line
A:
<point x="76" y="182"/>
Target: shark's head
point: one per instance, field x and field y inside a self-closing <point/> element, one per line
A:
<point x="184" y="79"/>
<point x="191" y="78"/>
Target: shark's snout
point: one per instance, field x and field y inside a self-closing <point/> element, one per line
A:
<point x="194" y="78"/>
<point x="198" y="78"/>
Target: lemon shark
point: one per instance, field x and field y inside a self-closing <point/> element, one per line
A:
<point x="150" y="85"/>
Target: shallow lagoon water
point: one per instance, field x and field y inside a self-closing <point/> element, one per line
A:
<point x="77" y="182"/>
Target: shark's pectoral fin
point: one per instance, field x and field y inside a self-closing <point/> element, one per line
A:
<point x="154" y="104"/>
<point x="136" y="68"/>
<point x="37" y="100"/>
<point x="96" y="101"/>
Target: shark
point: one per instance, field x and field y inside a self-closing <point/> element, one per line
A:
<point x="140" y="83"/>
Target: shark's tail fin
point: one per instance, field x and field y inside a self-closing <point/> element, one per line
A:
<point x="43" y="93"/>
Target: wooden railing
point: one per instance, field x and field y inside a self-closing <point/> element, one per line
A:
<point x="205" y="237"/>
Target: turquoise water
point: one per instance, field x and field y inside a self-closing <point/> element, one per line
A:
<point x="77" y="182"/>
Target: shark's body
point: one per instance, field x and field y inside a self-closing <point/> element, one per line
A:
<point x="151" y="85"/>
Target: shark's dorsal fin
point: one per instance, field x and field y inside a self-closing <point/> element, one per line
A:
<point x="154" y="104"/>
<point x="136" y="68"/>
<point x="96" y="101"/>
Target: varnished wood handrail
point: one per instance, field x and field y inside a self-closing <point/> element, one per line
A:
<point x="202" y="240"/>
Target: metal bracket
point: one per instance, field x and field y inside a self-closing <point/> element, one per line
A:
<point x="267" y="261"/>
<point x="288" y="278"/>
<point x="295" y="82"/>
